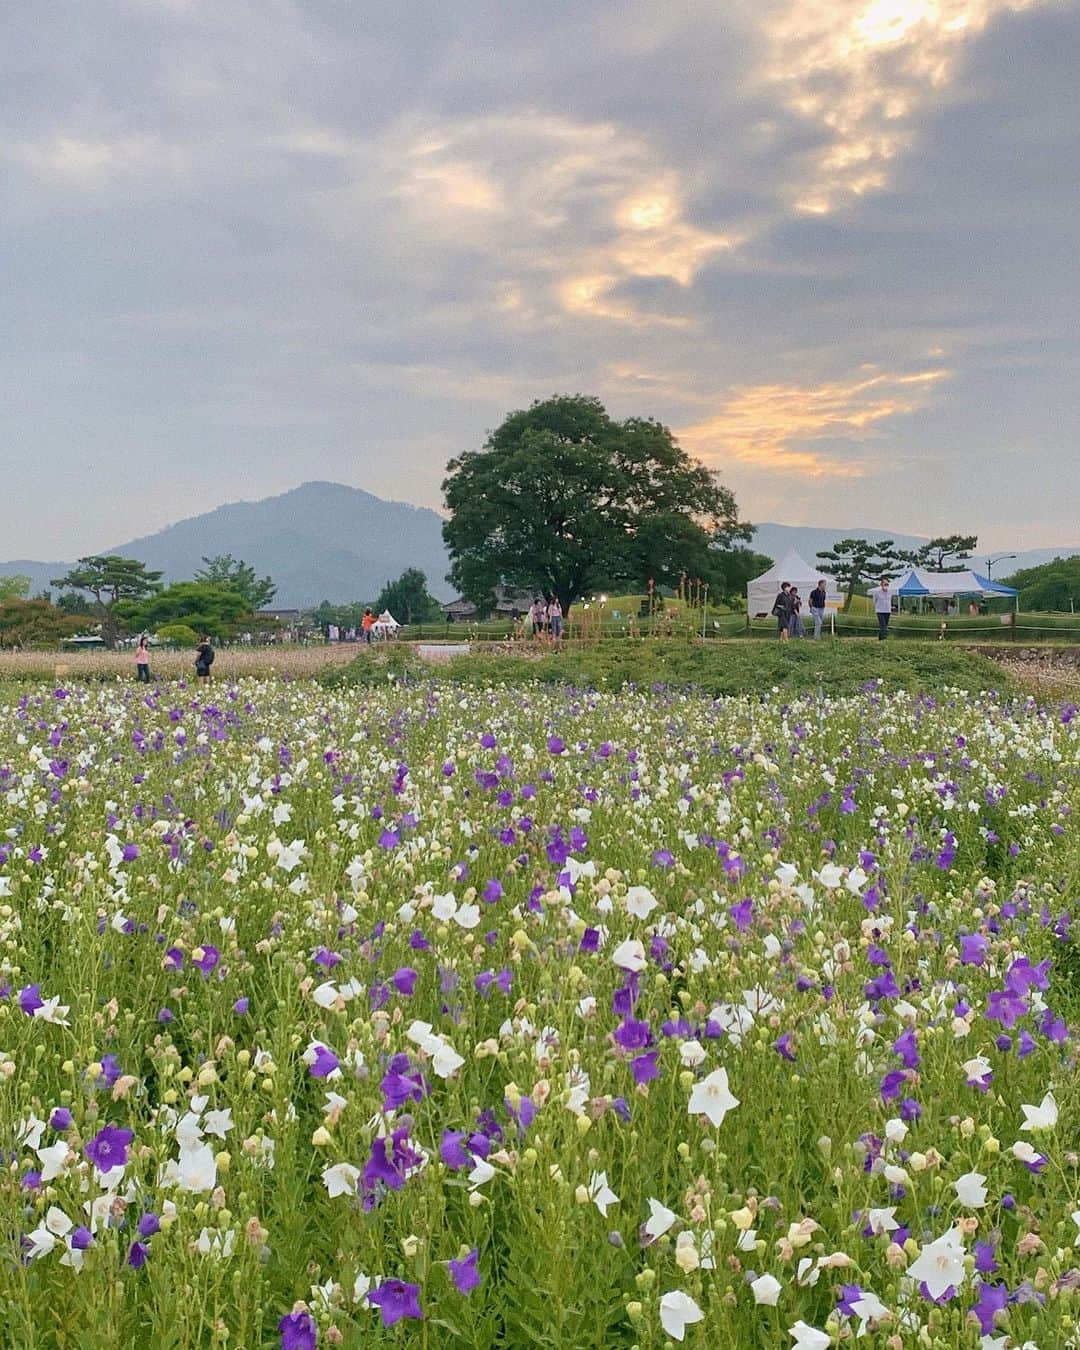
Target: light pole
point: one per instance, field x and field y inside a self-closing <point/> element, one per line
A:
<point x="1004" y="557"/>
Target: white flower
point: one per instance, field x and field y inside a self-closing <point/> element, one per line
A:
<point x="712" y="1097"/>
<point x="218" y="1123"/>
<point x="747" y="1240"/>
<point x="1041" y="1117"/>
<point x="881" y="1221"/>
<point x="1076" y="1220"/>
<point x="445" y="1060"/>
<point x="766" y="1290"/>
<point x="978" y="1069"/>
<point x="340" y="1179"/>
<point x="43" y="1238"/>
<point x="325" y="994"/>
<point x="481" y="1173"/>
<point x="53" y="1011"/>
<point x="360" y="1288"/>
<point x="830" y="877"/>
<point x="661" y="1218"/>
<point x="630" y="955"/>
<point x="677" y="1312"/>
<point x="970" y="1190"/>
<point x="808" y="1338"/>
<point x="1022" y="1151"/>
<point x="856" y="880"/>
<point x="196" y="1168"/>
<point x="52" y="1160"/>
<point x="691" y="1053"/>
<point x="467" y="916"/>
<point x="940" y="1264"/>
<point x="868" y="1308"/>
<point x="640" y="902"/>
<point x="786" y="873"/>
<point x="443" y="907"/>
<point x="600" y="1193"/>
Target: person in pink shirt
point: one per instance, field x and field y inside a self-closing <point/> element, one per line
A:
<point x="142" y="661"/>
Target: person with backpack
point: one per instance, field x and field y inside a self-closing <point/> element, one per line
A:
<point x="782" y="610"/>
<point x="204" y="658"/>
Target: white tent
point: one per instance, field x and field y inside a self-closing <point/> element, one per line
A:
<point x="385" y="625"/>
<point x="762" y="591"/>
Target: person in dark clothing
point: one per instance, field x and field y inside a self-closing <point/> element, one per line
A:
<point x="782" y="610"/>
<point x="818" y="597"/>
<point x="204" y="658"/>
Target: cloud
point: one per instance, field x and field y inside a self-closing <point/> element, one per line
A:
<point x="864" y="72"/>
<point x="566" y="213"/>
<point x="774" y="427"/>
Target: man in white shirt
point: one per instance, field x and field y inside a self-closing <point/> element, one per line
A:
<point x="883" y="608"/>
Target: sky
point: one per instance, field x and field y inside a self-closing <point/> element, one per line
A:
<point x="832" y="243"/>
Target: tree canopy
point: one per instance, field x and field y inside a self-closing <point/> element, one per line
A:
<point x="566" y="500"/>
<point x="946" y="553"/>
<point x="30" y="623"/>
<point x="852" y="561"/>
<point x="235" y="574"/>
<point x="110" y="579"/>
<point x="408" y="600"/>
<point x="1052" y="586"/>
<point x="202" y="606"/>
<point x="14" y="586"/>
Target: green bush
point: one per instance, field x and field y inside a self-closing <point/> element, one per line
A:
<point x="730" y="668"/>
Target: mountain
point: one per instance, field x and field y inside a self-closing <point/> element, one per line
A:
<point x="321" y="541"/>
<point x="774" y="541"/>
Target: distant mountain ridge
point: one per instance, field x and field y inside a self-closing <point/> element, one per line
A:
<point x="320" y="541"/>
<point x="326" y="541"/>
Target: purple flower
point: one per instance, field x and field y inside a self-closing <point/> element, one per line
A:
<point x="130" y="853"/>
<point x="632" y="1034"/>
<point x="905" y="1046"/>
<point x="30" y="999"/>
<point x="323" y="1063"/>
<point x="742" y="914"/>
<point x="395" y="1299"/>
<point x="451" y="1151"/>
<point x="492" y="891"/>
<point x="464" y="1273"/>
<point x="81" y="1238"/>
<point x="555" y="745"/>
<point x="149" y="1224"/>
<point x="973" y="949"/>
<point x="663" y="857"/>
<point x="208" y="960"/>
<point x="891" y="1084"/>
<point x="985" y="1263"/>
<point x="60" y="1119"/>
<point x="298" y="1331"/>
<point x="404" y="980"/>
<point x="109" y="1148"/>
<point x="643" y="1067"/>
<point x="241" y="1006"/>
<point x="993" y="1298"/>
<point x="1005" y="1007"/>
<point x="137" y="1254"/>
<point x="782" y="1046"/>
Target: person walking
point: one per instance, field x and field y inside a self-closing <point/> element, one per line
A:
<point x="555" y="618"/>
<point x="142" y="661"/>
<point x="818" y="597"/>
<point x="883" y="608"/>
<point x="795" y="628"/>
<point x="367" y="623"/>
<point x="204" y="658"/>
<point x="782" y="610"/>
<point x="536" y="617"/>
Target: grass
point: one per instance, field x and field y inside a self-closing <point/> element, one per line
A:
<point x="715" y="669"/>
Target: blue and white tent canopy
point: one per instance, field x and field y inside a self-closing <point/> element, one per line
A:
<point x="946" y="585"/>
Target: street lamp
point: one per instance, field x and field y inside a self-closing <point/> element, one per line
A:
<point x="1004" y="557"/>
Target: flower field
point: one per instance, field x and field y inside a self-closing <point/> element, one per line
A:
<point x="532" y="1017"/>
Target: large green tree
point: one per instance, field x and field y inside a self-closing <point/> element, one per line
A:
<point x="731" y="569"/>
<point x="566" y="500"/>
<point x="853" y="561"/>
<point x="1052" y="586"/>
<point x="408" y="600"/>
<point x="207" y="608"/>
<point x="34" y="623"/>
<point x="110" y="579"/>
<point x="225" y="570"/>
